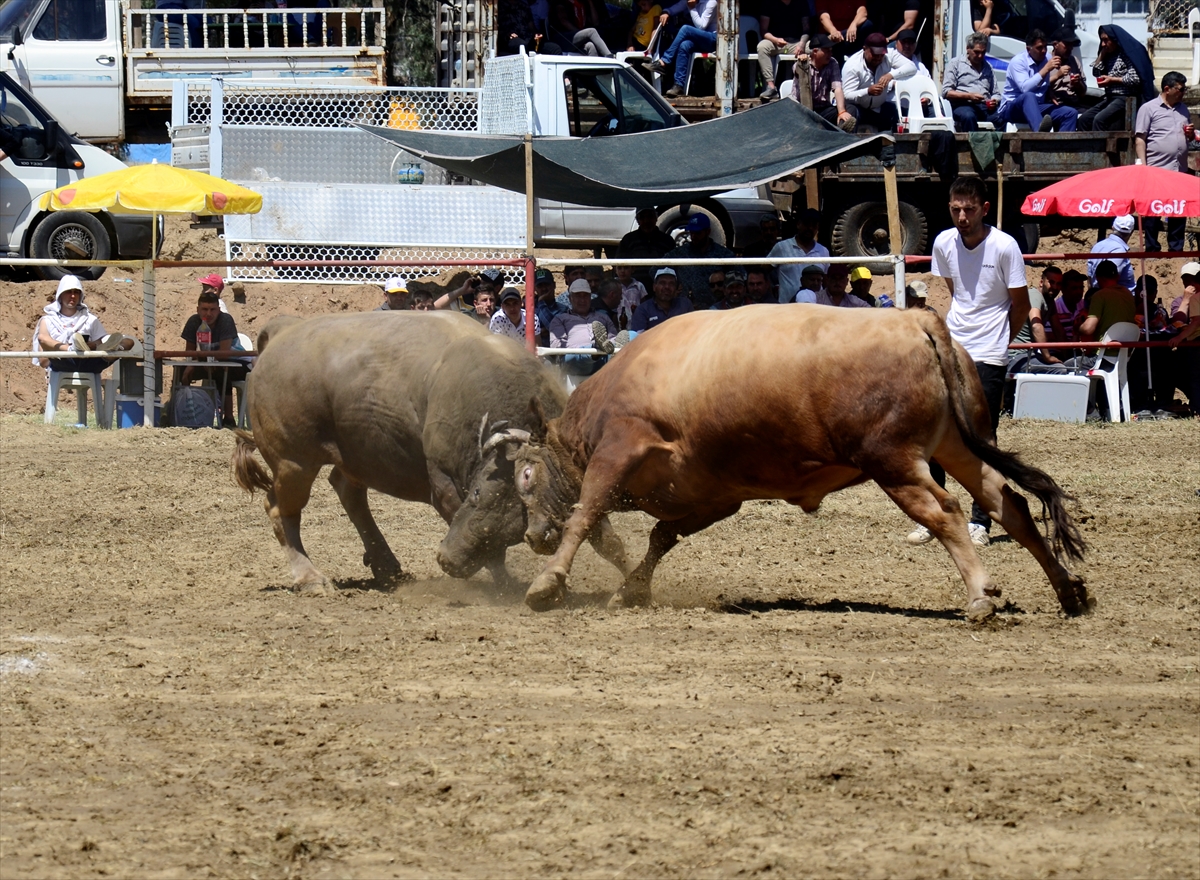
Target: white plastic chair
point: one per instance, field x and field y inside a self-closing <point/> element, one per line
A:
<point x="240" y="386"/>
<point x="908" y="94"/>
<point x="785" y="88"/>
<point x="82" y="383"/>
<point x="1116" y="378"/>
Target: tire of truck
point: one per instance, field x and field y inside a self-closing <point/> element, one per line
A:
<point x="672" y="221"/>
<point x="70" y="235"/>
<point x="862" y="231"/>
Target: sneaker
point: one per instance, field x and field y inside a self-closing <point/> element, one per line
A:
<point x="979" y="535"/>
<point x="78" y="343"/>
<point x="674" y="92"/>
<point x="620" y="340"/>
<point x="657" y="66"/>
<point x="769" y="94"/>
<point x="600" y="338"/>
<point x="111" y="342"/>
<point x="919" y="535"/>
<point x="1047" y="124"/>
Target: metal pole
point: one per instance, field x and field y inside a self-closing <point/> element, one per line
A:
<point x="727" y="22"/>
<point x="530" y="263"/>
<point x="149" y="365"/>
<point x="898" y="273"/>
<point x="1145" y="305"/>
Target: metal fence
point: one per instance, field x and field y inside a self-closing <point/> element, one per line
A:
<point x="308" y="28"/>
<point x="1170" y="16"/>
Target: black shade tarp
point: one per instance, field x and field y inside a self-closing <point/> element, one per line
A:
<point x="650" y="168"/>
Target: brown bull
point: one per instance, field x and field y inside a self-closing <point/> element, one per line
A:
<point x="715" y="408"/>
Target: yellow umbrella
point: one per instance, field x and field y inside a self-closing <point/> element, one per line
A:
<point x="153" y="189"/>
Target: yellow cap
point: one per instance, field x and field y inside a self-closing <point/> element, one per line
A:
<point x="860" y="273"/>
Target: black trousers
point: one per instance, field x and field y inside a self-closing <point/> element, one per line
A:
<point x="992" y="377"/>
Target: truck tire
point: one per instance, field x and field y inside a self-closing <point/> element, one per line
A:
<point x="672" y="221"/>
<point x="70" y="235"/>
<point x="862" y="231"/>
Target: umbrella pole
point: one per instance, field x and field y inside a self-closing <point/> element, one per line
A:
<point x="1145" y="303"/>
<point x="149" y="365"/>
<point x="530" y="263"/>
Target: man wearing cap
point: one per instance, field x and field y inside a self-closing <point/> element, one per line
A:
<point x="665" y="303"/>
<point x="860" y="284"/>
<point x="803" y="244"/>
<point x="867" y="82"/>
<point x="784" y="28"/>
<point x="581" y="328"/>
<point x="735" y="290"/>
<point x="395" y="293"/>
<point x="1161" y="135"/>
<point x="222" y="336"/>
<point x="509" y="319"/>
<point x="915" y="294"/>
<point x="68" y="325"/>
<point x="812" y="285"/>
<point x="1117" y="242"/>
<point x="825" y="82"/>
<point x="1070" y="85"/>
<point x="546" y="307"/>
<point x="969" y="84"/>
<point x="1030" y="75"/>
<point x="837" y="280"/>
<point x="693" y="280"/>
<point x="906" y="45"/>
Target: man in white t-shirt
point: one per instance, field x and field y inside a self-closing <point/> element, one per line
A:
<point x="989" y="303"/>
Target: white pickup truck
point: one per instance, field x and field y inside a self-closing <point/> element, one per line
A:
<point x="89" y="61"/>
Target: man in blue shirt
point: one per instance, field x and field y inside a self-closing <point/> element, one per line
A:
<point x="666" y="302"/>
<point x="547" y="307"/>
<point x="1030" y="74"/>
<point x="1116" y="243"/>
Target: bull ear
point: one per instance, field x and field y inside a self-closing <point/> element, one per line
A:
<point x="537" y="420"/>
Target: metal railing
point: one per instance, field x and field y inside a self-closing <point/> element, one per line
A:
<point x="302" y="29"/>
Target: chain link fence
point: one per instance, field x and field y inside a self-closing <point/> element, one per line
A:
<point x="402" y="107"/>
<point x="1170" y="16"/>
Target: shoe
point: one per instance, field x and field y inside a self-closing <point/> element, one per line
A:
<point x="657" y="66"/>
<point x="979" y="535"/>
<point x="769" y="94"/>
<point x="1047" y="124"/>
<point x="78" y="343"/>
<point x="848" y="125"/>
<point x="919" y="535"/>
<point x="600" y="338"/>
<point x="674" y="92"/>
<point x="620" y="340"/>
<point x="111" y="342"/>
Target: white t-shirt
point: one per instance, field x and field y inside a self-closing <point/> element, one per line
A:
<point x="978" y="318"/>
<point x="789" y="273"/>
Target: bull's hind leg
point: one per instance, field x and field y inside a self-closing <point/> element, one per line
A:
<point x="933" y="507"/>
<point x="1010" y="509"/>
<point x="376" y="552"/>
<point x="286" y="499"/>
<point x="663" y="537"/>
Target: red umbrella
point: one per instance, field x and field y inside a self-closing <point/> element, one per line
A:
<point x="1127" y="189"/>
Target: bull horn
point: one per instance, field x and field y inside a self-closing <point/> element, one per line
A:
<point x="482" y="431"/>
<point x="510" y="435"/>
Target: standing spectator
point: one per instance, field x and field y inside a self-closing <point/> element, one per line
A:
<point x="716" y="285"/>
<point x="463" y="297"/>
<point x="647" y="242"/>
<point x="595" y="277"/>
<point x="1071" y="84"/>
<point x="666" y="302"/>
<point x="867" y="80"/>
<point x="970" y="85"/>
<point x="844" y="21"/>
<point x="509" y="319"/>
<point x="785" y="29"/>
<point x="1110" y="304"/>
<point x="825" y="80"/>
<point x="1030" y="75"/>
<point x="1164" y="127"/>
<point x="580" y="327"/>
<point x="694" y="279"/>
<point x="768" y="236"/>
<point x="547" y="306"/>
<point x="1117" y="242"/>
<point x="485" y="306"/>
<point x="632" y="294"/>
<point x="1041" y="299"/>
<point x="804" y="244"/>
<point x="837" y="279"/>
<point x="759" y="288"/>
<point x="812" y="285"/>
<point x="915" y="294"/>
<point x="699" y="36"/>
<point x="860" y="284"/>
<point x="1187" y="315"/>
<point x="1114" y="73"/>
<point x="989" y="301"/>
<point x="735" y="291"/>
<point x="395" y="295"/>
<point x="421" y="301"/>
<point x="607" y="301"/>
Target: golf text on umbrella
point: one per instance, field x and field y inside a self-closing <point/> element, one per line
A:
<point x="1104" y="206"/>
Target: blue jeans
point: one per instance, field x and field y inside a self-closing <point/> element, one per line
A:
<point x="1030" y="110"/>
<point x="689" y="40"/>
<point x="581" y="364"/>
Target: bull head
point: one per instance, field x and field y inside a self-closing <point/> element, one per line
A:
<point x="549" y="489"/>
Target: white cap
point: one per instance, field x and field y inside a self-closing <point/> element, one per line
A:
<point x="69" y="282"/>
<point x="579" y="285"/>
<point x="918" y="289"/>
<point x="1125" y="223"/>
<point x="395" y="284"/>
<point x="1192" y="268"/>
<point x="665" y="270"/>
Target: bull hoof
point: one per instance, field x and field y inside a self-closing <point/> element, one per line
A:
<point x="981" y="609"/>
<point x="313" y="589"/>
<point x="1073" y="596"/>
<point x="629" y="599"/>
<point x="389" y="580"/>
<point x="547" y="591"/>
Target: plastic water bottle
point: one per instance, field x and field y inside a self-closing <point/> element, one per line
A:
<point x="204" y="337"/>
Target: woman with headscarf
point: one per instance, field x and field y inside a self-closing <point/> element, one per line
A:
<point x="1120" y="77"/>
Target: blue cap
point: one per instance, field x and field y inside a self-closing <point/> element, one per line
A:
<point x="697" y="222"/>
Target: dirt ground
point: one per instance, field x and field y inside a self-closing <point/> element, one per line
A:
<point x="804" y="700"/>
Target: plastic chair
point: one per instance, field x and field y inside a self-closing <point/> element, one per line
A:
<point x="240" y="385"/>
<point x="785" y="88"/>
<point x="908" y="94"/>
<point x="82" y="383"/>
<point x="1116" y="379"/>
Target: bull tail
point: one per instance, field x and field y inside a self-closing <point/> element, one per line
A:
<point x="244" y="467"/>
<point x="1064" y="534"/>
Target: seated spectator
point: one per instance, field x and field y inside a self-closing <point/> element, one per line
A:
<point x="666" y="302"/>
<point x="768" y="236"/>
<point x="906" y="45"/>
<point x="571" y="274"/>
<point x="647" y="242"/>
<point x="915" y="295"/>
<point x="1114" y="73"/>
<point x="1030" y="75"/>
<point x="804" y="244"/>
<point x="607" y="301"/>
<point x="981" y="18"/>
<point x="68" y="325"/>
<point x="1117" y="242"/>
<point x="463" y="298"/>
<point x="421" y="301"/>
<point x="1026" y="360"/>
<point x="867" y="81"/>
<point x="580" y="327"/>
<point x="646" y="13"/>
<point x="759" y="288"/>
<point x="970" y="85"/>
<point x="632" y="294"/>
<point x="211" y="329"/>
<point x="735" y="291"/>
<point x="1071" y="85"/>
<point x="1069" y="309"/>
<point x="517" y="27"/>
<point x="509" y="319"/>
<point x="1187" y="317"/>
<point x="1110" y="304"/>
<point x="837" y="279"/>
<point x="812" y="284"/>
<point x="699" y="36"/>
<point x="693" y="280"/>
<point x="845" y="22"/>
<point x="716" y="284"/>
<point x="825" y="81"/>
<point x="395" y="295"/>
<point x="860" y="284"/>
<point x="785" y="29"/>
<point x="548" y="307"/>
<point x="595" y="277"/>
<point x="567" y="29"/>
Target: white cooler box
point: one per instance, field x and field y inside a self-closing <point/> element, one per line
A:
<point x="1055" y="398"/>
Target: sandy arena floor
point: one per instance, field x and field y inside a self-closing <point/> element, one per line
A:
<point x="806" y="699"/>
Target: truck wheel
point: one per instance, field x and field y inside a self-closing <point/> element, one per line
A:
<point x="862" y="231"/>
<point x="673" y="220"/>
<point x="70" y="235"/>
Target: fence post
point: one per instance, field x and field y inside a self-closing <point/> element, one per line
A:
<point x="149" y="364"/>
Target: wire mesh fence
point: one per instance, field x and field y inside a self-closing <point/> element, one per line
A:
<point x="1171" y="16"/>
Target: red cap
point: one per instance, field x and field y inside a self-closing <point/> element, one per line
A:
<point x="215" y="281"/>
